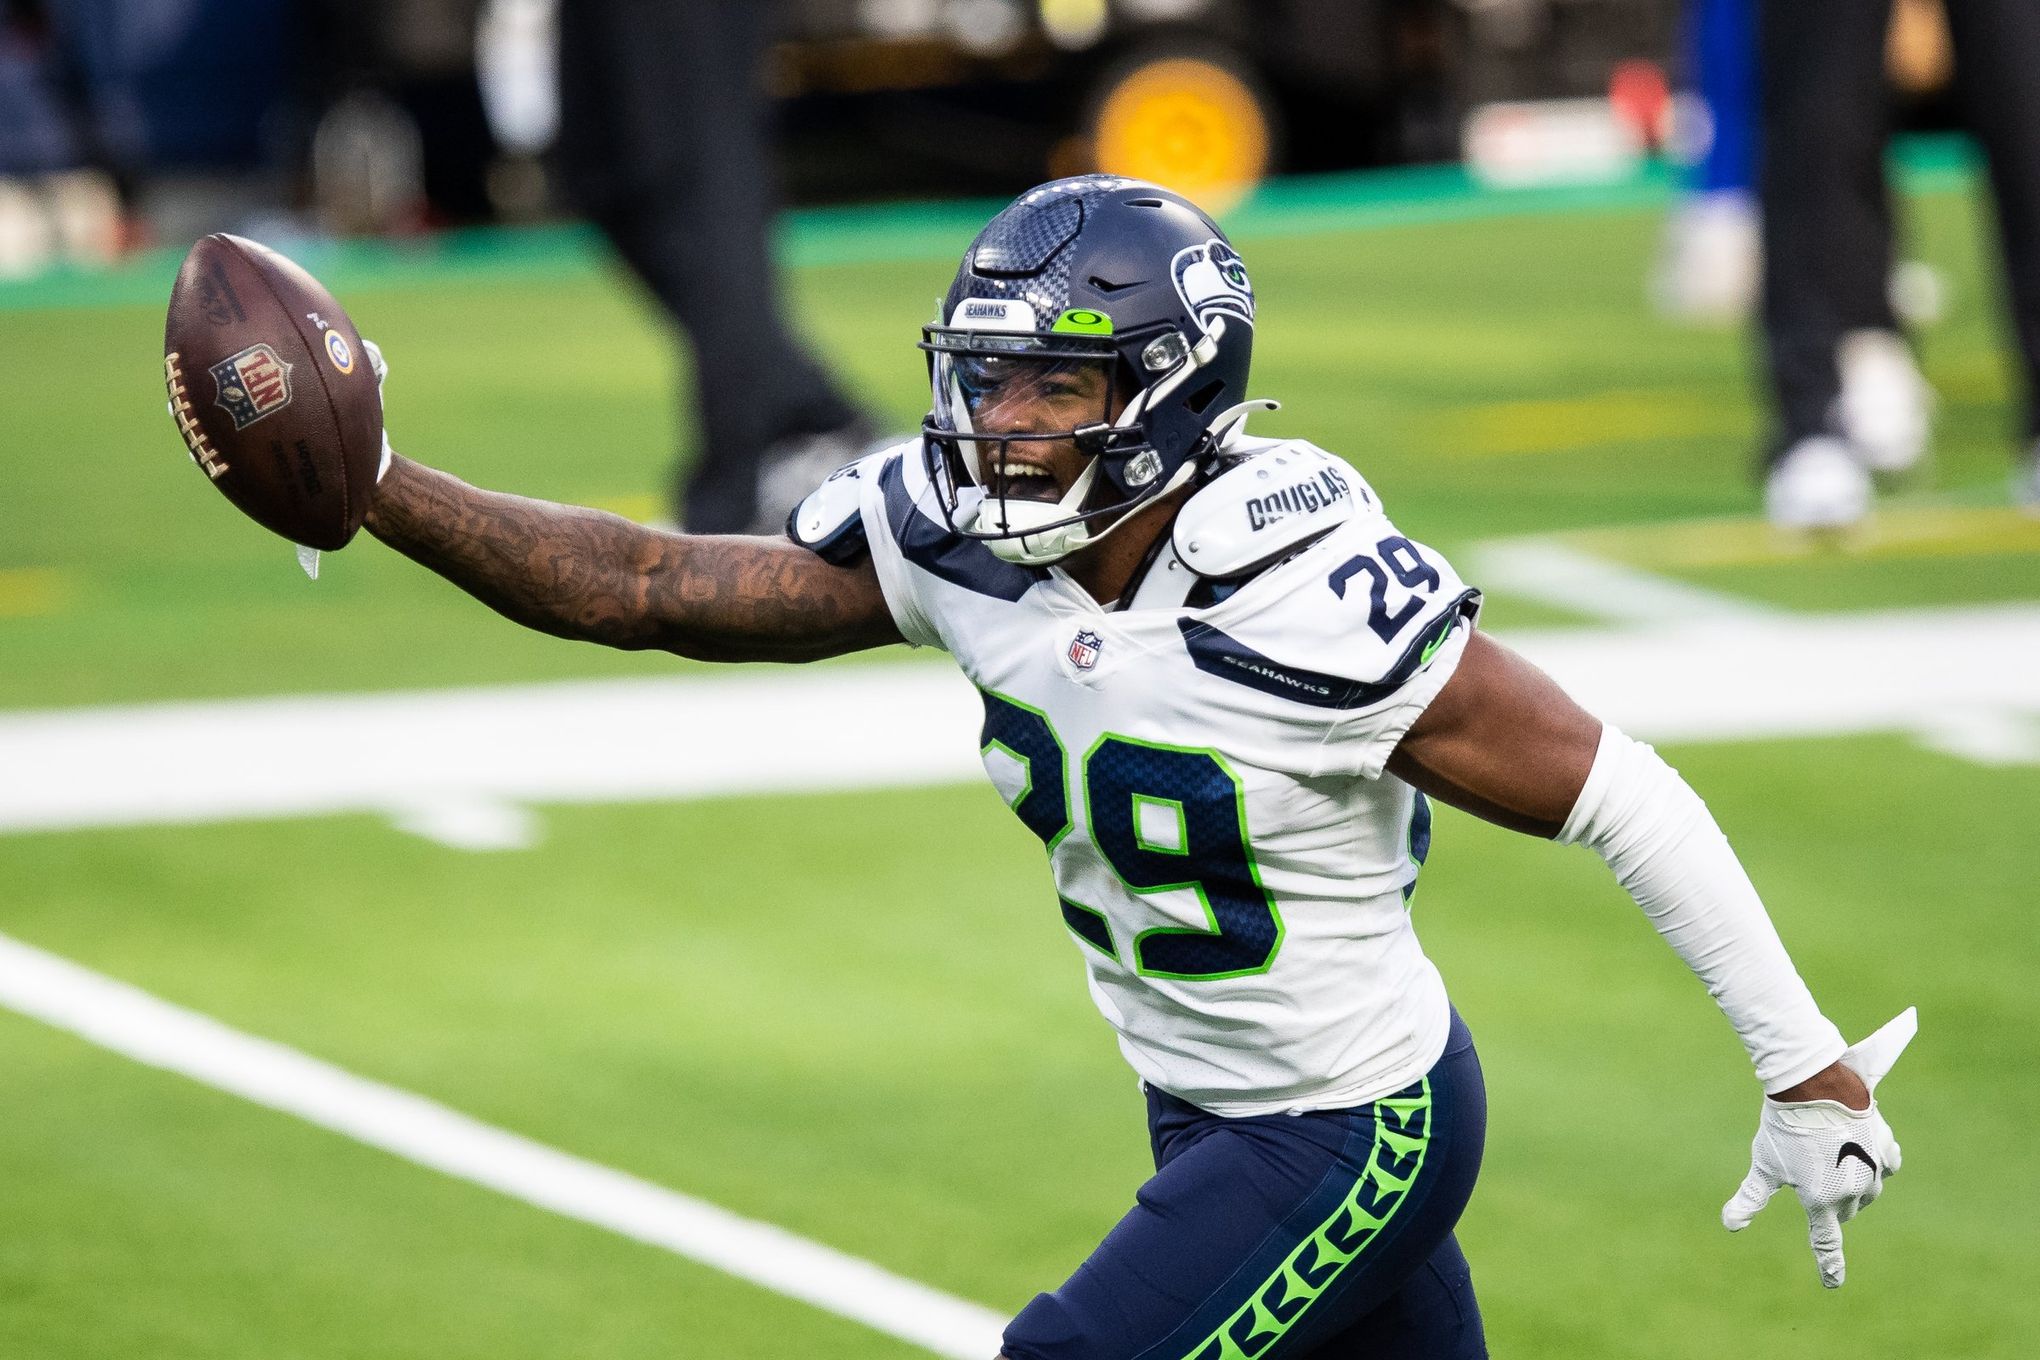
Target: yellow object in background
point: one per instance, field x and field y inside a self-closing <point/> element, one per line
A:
<point x="1187" y="123"/>
<point x="1918" y="54"/>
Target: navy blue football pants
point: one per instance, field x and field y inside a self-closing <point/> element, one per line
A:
<point x="1325" y="1235"/>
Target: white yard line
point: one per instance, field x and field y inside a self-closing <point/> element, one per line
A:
<point x="128" y="1021"/>
<point x="1552" y="573"/>
<point x="459" y="765"/>
<point x="464" y="766"/>
<point x="1964" y="682"/>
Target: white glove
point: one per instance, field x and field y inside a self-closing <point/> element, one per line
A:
<point x="1833" y="1157"/>
<point x="381" y="366"/>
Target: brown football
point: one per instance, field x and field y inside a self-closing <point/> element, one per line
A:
<point x="273" y="391"/>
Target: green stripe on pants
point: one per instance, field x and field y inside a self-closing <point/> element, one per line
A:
<point x="1402" y="1136"/>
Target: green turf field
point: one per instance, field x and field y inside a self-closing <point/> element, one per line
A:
<point x="857" y="1016"/>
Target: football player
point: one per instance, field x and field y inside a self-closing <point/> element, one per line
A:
<point x="1219" y="684"/>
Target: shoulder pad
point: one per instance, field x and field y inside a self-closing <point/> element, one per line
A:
<point x="1265" y="506"/>
<point x="829" y="522"/>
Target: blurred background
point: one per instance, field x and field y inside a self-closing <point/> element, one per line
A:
<point x="763" y="937"/>
<point x="143" y="122"/>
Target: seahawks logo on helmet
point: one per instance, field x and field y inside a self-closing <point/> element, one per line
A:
<point x="1212" y="281"/>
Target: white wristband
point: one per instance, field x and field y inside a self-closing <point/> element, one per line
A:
<point x="1666" y="850"/>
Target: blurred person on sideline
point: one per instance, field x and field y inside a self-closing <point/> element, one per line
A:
<point x="664" y="143"/>
<point x="1710" y="267"/>
<point x="1828" y="242"/>
<point x="64" y="183"/>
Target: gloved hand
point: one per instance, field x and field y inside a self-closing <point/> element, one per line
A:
<point x="381" y="368"/>
<point x="1833" y="1157"/>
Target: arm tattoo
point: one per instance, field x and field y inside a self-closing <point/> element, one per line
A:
<point x="597" y="577"/>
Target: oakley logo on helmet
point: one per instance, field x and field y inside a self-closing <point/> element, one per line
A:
<point x="1212" y="281"/>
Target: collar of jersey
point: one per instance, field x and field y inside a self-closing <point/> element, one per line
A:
<point x="1155" y="604"/>
<point x="1260" y="510"/>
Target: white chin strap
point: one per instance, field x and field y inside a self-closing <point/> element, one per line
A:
<point x="1052" y="545"/>
<point x="1011" y="517"/>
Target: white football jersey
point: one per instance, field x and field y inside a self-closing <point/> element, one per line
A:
<point x="1206" y="768"/>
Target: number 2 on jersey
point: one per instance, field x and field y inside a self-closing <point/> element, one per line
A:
<point x="1412" y="572"/>
<point x="1164" y="818"/>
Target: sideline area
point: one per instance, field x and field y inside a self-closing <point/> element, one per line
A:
<point x="1354" y="200"/>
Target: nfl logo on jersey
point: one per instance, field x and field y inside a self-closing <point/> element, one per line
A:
<point x="1084" y="649"/>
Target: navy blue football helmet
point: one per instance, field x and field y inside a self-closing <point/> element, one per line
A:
<point x="1118" y="276"/>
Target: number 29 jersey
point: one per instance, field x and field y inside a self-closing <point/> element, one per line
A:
<point x="1205" y="767"/>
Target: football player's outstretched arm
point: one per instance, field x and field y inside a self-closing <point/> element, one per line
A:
<point x="1501" y="740"/>
<point x="597" y="577"/>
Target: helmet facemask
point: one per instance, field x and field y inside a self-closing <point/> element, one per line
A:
<point x="1127" y="276"/>
<point x="1009" y="407"/>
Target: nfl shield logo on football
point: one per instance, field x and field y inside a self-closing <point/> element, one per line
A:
<point x="252" y="384"/>
<point x="1084" y="649"/>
